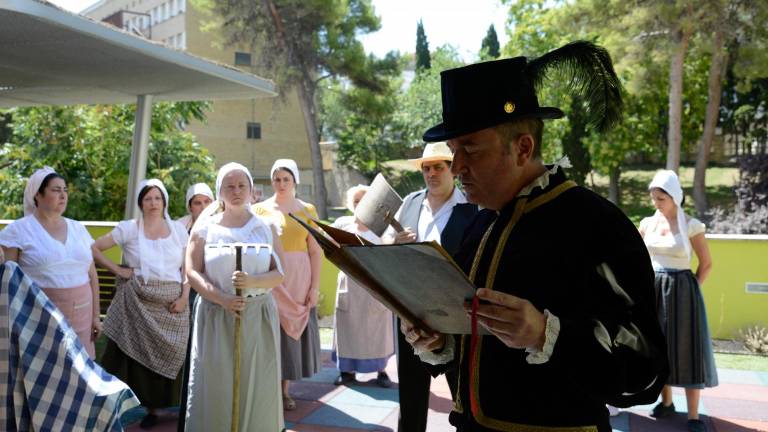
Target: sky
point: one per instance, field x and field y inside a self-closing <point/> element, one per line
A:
<point x="460" y="23"/>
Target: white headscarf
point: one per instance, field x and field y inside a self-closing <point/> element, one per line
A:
<point x="288" y="164"/>
<point x="668" y="181"/>
<point x="33" y="185"/>
<point x="206" y="216"/>
<point x="198" y="189"/>
<point x="351" y="192"/>
<point x="228" y="168"/>
<point x="144" y="245"/>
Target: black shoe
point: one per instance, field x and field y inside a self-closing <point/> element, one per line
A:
<point x="383" y="380"/>
<point x="661" y="411"/>
<point x="148" y="421"/>
<point x="696" y="426"/>
<point x="345" y="378"/>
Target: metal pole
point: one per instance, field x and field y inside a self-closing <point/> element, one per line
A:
<point x="139" y="149"/>
<point x="236" y="372"/>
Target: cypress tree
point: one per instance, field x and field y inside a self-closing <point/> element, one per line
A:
<point x="423" y="60"/>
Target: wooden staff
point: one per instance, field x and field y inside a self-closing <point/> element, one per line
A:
<point x="236" y="374"/>
<point x="390" y="217"/>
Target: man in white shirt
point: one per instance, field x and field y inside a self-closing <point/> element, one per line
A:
<point x="438" y="213"/>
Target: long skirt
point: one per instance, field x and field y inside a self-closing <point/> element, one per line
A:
<point x="363" y="341"/>
<point x="683" y="321"/>
<point x="152" y="389"/>
<point x="301" y="358"/>
<point x="77" y="306"/>
<point x="209" y="405"/>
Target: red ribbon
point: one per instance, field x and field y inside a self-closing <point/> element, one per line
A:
<point x="473" y="397"/>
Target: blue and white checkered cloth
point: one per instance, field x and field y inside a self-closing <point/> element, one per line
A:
<point x="46" y="378"/>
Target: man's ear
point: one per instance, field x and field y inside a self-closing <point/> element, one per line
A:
<point x="524" y="147"/>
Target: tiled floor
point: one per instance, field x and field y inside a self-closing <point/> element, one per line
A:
<point x="738" y="404"/>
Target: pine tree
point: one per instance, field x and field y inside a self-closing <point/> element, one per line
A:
<point x="489" y="49"/>
<point x="423" y="60"/>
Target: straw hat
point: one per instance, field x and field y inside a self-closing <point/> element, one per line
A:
<point x="438" y="151"/>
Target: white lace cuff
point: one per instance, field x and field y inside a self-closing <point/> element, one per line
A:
<point x="442" y="357"/>
<point x="551" y="331"/>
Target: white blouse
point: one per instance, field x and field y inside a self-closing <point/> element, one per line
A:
<point x="220" y="261"/>
<point x="667" y="250"/>
<point x="49" y="262"/>
<point x="161" y="259"/>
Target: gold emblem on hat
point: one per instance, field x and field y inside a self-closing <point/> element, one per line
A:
<point x="509" y="107"/>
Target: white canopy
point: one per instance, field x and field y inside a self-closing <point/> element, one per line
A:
<point x="49" y="56"/>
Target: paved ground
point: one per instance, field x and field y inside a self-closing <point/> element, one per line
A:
<point x="738" y="404"/>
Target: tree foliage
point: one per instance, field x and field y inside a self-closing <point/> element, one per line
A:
<point x="423" y="59"/>
<point x="489" y="48"/>
<point x="360" y="120"/>
<point x="374" y="127"/>
<point x="90" y="146"/>
<point x="299" y="42"/>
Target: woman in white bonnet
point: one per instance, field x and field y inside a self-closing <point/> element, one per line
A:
<point x="672" y="237"/>
<point x="55" y="252"/>
<point x="364" y="339"/>
<point x="298" y="295"/>
<point x="211" y="376"/>
<point x="198" y="197"/>
<point x="147" y="323"/>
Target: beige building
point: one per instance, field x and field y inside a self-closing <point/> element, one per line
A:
<point x="253" y="132"/>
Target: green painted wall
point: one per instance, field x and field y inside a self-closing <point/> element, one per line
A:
<point x="736" y="260"/>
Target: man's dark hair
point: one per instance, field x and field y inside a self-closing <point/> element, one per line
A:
<point x="509" y="132"/>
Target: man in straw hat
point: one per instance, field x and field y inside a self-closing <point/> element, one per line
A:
<point x="439" y="212"/>
<point x="565" y="286"/>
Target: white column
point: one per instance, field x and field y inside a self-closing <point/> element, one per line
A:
<point x="138" y="168"/>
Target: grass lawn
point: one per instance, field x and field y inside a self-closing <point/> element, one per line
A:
<point x="634" y="189"/>
<point x="742" y="362"/>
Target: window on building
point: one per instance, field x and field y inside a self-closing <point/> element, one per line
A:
<point x="242" y="59"/>
<point x="165" y="11"/>
<point x="253" y="130"/>
<point x="182" y="40"/>
<point x="182" y="6"/>
<point x="174" y="8"/>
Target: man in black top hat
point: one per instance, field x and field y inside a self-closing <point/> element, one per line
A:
<point x="565" y="282"/>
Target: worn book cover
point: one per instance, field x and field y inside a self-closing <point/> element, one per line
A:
<point x="417" y="281"/>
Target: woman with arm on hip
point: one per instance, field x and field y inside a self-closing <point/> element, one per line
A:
<point x="671" y="237"/>
<point x="297" y="296"/>
<point x="213" y="350"/>
<point x="147" y="323"/>
<point x="55" y="252"/>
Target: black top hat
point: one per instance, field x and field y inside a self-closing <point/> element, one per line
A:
<point x="484" y="95"/>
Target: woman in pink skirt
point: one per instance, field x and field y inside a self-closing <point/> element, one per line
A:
<point x="55" y="252"/>
<point x="297" y="296"/>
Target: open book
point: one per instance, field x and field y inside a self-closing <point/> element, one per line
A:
<point x="417" y="281"/>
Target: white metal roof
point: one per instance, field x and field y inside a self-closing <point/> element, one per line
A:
<point x="49" y="56"/>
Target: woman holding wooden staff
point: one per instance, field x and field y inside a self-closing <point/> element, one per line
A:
<point x="214" y="352"/>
